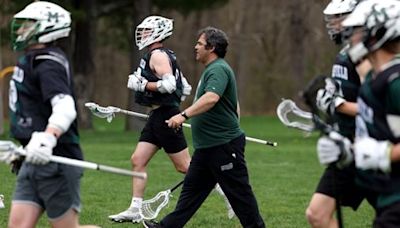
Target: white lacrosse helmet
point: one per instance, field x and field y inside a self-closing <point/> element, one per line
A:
<point x="380" y="23"/>
<point x="153" y="29"/>
<point x="335" y="12"/>
<point x="39" y="22"/>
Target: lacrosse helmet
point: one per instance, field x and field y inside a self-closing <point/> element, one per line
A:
<point x="39" y="22"/>
<point x="334" y="13"/>
<point x="378" y="21"/>
<point x="153" y="29"/>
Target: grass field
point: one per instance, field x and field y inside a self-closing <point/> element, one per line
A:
<point x="283" y="178"/>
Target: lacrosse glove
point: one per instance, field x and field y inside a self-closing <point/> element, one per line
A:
<point x="136" y="81"/>
<point x="40" y="148"/>
<point x="334" y="148"/>
<point x="186" y="88"/>
<point x="372" y="154"/>
<point x="327" y="101"/>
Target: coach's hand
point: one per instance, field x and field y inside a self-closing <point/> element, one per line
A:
<point x="334" y="148"/>
<point x="372" y="154"/>
<point x="176" y="121"/>
<point x="40" y="148"/>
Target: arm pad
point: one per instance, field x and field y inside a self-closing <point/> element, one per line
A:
<point x="167" y="84"/>
<point x="64" y="112"/>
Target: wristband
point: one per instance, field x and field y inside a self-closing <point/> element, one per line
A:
<point x="184" y="115"/>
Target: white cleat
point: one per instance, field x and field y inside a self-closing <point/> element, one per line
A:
<point x="130" y="215"/>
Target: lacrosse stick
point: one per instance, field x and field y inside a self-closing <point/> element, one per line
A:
<point x="109" y="113"/>
<point x="292" y="116"/>
<point x="152" y="207"/>
<point x="8" y="150"/>
<point x="323" y="122"/>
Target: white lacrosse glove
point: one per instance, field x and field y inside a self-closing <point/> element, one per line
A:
<point x="325" y="99"/>
<point x="372" y="154"/>
<point x="40" y="148"/>
<point x="334" y="148"/>
<point x="186" y="88"/>
<point x="167" y="84"/>
<point x="136" y="81"/>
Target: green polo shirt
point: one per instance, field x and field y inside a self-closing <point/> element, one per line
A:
<point x="220" y="124"/>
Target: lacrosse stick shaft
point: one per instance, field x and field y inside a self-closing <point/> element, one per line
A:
<point x="131" y="113"/>
<point x="12" y="148"/>
<point x="141" y="115"/>
<point x="250" y="139"/>
<point x="95" y="166"/>
<point x="177" y="186"/>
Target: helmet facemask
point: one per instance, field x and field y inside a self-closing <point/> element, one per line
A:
<point x="334" y="28"/>
<point x="23" y="33"/>
<point x="144" y="36"/>
<point x="355" y="38"/>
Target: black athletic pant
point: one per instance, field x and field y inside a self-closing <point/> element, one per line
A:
<point x="223" y="164"/>
<point x="388" y="217"/>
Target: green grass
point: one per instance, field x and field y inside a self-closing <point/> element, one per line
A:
<point x="283" y="178"/>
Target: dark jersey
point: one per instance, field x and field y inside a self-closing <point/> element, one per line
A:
<point x="148" y="98"/>
<point x="345" y="73"/>
<point x="39" y="76"/>
<point x="379" y="115"/>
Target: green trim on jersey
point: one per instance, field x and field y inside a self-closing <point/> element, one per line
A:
<point x="220" y="124"/>
<point x="393" y="97"/>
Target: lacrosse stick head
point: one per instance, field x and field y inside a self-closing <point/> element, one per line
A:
<point x="10" y="152"/>
<point x="292" y="116"/>
<point x="102" y="112"/>
<point x="152" y="207"/>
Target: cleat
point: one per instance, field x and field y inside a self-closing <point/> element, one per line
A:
<point x="130" y="215"/>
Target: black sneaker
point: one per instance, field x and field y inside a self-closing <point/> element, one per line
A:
<point x="151" y="224"/>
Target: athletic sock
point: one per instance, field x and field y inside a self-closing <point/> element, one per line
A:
<point x="136" y="202"/>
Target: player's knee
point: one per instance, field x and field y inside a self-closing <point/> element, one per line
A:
<point x="182" y="168"/>
<point x="137" y="162"/>
<point x="314" y="218"/>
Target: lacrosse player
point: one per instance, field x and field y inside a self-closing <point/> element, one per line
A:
<point x="159" y="84"/>
<point x="373" y="31"/>
<point x="337" y="185"/>
<point x="218" y="140"/>
<point x="43" y="119"/>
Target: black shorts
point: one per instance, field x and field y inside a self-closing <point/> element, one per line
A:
<point x="157" y="132"/>
<point x="340" y="184"/>
<point x="388" y="217"/>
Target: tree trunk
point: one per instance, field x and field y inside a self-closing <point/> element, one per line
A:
<point x="297" y="49"/>
<point x="85" y="31"/>
<point x="142" y="9"/>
